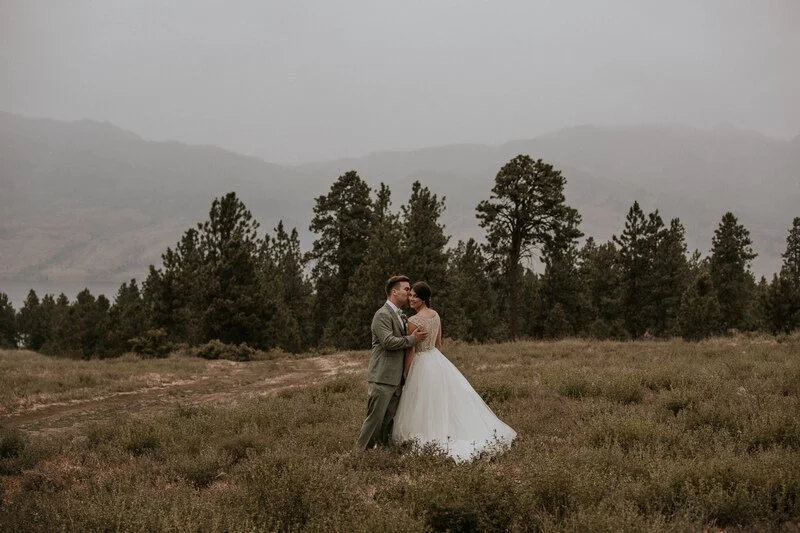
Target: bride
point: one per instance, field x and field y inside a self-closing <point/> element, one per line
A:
<point x="438" y="405"/>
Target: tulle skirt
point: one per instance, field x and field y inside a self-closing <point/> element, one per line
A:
<point x="439" y="407"/>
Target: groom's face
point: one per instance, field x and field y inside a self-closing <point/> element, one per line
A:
<point x="401" y="293"/>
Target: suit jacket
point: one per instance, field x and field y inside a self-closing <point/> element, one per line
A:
<point x="389" y="345"/>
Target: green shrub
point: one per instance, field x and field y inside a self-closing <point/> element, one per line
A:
<point x="153" y="343"/>
<point x="216" y="349"/>
<point x="465" y="498"/>
<point x="12" y="443"/>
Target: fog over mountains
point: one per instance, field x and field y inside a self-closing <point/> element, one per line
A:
<point x="87" y="201"/>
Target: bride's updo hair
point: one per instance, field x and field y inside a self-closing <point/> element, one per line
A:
<point x="423" y="292"/>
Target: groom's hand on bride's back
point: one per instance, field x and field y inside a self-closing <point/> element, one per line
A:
<point x="420" y="334"/>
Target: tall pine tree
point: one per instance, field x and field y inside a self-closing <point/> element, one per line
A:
<point x="782" y="302"/>
<point x="533" y="307"/>
<point x="127" y="317"/>
<point x="87" y="332"/>
<point x="731" y="254"/>
<point x="561" y="285"/>
<point x="57" y="314"/>
<point x="381" y="261"/>
<point x="209" y="286"/>
<point x="637" y="247"/>
<point x="670" y="277"/>
<point x="699" y="314"/>
<point x="173" y="295"/>
<point x="342" y="222"/>
<point x="471" y="304"/>
<point x="8" y="324"/>
<point x="525" y="211"/>
<point x="31" y="325"/>
<point x="601" y="278"/>
<point x="233" y="305"/>
<point x="289" y="289"/>
<point x="423" y="246"/>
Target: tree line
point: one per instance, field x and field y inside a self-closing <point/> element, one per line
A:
<point x="227" y="281"/>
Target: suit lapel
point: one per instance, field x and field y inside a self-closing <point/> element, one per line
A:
<point x="397" y="319"/>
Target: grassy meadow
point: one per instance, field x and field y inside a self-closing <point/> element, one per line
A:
<point x="637" y="436"/>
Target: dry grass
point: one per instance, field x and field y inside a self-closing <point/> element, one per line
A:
<point x="28" y="379"/>
<point x="643" y="436"/>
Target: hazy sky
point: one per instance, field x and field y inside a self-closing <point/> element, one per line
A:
<point x="306" y="80"/>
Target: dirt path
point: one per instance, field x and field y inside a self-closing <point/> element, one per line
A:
<point x="238" y="381"/>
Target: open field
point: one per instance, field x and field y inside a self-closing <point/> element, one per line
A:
<point x="640" y="436"/>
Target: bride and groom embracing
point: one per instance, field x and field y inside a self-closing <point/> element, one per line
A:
<point x="415" y="393"/>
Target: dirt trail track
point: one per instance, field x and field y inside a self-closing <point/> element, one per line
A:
<point x="225" y="382"/>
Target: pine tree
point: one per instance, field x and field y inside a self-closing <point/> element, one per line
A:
<point x="342" y="221"/>
<point x="561" y="284"/>
<point x="380" y="263"/>
<point x="782" y="301"/>
<point x="776" y="306"/>
<point x="159" y="297"/>
<point x="88" y="325"/>
<point x="525" y="211"/>
<point x="56" y="312"/>
<point x="471" y="305"/>
<point x="423" y="244"/>
<point x="289" y="290"/>
<point x="534" y="312"/>
<point x="670" y="277"/>
<point x="50" y="316"/>
<point x="174" y="296"/>
<point x="233" y="307"/>
<point x="699" y="315"/>
<point x="127" y="317"/>
<point x="601" y="278"/>
<point x="30" y="323"/>
<point x="791" y="257"/>
<point x="697" y="264"/>
<point x="731" y="254"/>
<point x="557" y="325"/>
<point x="8" y="324"/>
<point x="190" y="272"/>
<point x="761" y="304"/>
<point x="790" y="273"/>
<point x="638" y="244"/>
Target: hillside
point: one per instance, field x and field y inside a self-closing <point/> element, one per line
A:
<point x="86" y="201"/>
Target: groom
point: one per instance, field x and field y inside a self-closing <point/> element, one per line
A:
<point x="385" y="371"/>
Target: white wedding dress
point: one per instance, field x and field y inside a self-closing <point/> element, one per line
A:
<point x="439" y="407"/>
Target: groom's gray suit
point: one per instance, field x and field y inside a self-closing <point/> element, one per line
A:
<point x="384" y="376"/>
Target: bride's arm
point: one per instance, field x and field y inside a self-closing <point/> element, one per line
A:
<point x="439" y="338"/>
<point x="409" y="356"/>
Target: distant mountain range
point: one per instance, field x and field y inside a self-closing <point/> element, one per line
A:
<point x="87" y="201"/>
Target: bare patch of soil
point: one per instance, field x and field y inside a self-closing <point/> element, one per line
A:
<point x="224" y="382"/>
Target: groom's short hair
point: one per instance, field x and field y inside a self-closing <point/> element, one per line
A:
<point x="394" y="280"/>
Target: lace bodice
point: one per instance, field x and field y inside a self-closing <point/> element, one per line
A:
<point x="431" y="325"/>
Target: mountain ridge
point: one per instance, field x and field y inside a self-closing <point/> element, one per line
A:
<point x="86" y="200"/>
